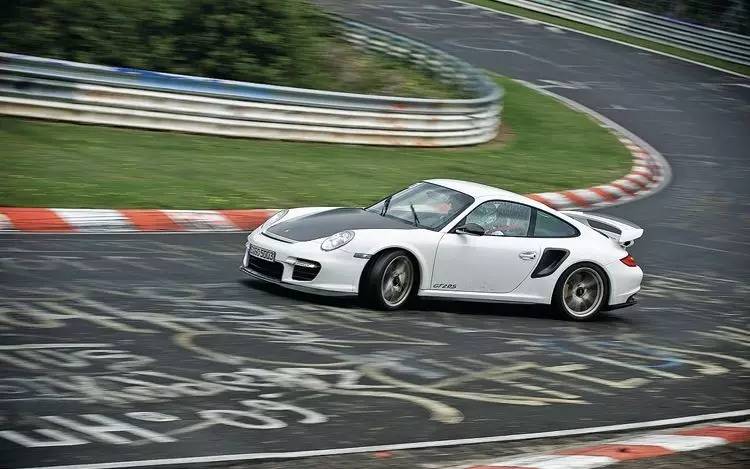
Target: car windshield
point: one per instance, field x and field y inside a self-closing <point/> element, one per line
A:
<point x="424" y="204"/>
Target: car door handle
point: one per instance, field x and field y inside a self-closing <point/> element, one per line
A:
<point x="528" y="255"/>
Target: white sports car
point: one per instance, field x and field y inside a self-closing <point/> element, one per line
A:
<point x="451" y="239"/>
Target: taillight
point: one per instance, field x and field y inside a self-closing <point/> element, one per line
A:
<point x="629" y="261"/>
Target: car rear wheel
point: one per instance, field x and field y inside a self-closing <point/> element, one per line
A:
<point x="581" y="292"/>
<point x="390" y="281"/>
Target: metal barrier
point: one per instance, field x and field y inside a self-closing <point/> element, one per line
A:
<point x="695" y="38"/>
<point x="77" y="92"/>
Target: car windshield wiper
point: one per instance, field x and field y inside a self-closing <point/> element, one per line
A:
<point x="385" y="206"/>
<point x="414" y="212"/>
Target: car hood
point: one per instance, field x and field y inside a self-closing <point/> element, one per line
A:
<point x="329" y="222"/>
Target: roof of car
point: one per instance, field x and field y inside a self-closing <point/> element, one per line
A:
<point x="475" y="189"/>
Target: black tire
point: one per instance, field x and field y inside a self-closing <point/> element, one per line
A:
<point x="374" y="288"/>
<point x="590" y="292"/>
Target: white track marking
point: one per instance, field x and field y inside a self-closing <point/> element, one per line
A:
<point x="404" y="446"/>
<point x="51" y="345"/>
<point x="565" y="28"/>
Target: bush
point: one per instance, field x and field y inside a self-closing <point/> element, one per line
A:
<point x="269" y="41"/>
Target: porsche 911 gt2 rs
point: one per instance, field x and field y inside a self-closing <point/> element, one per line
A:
<point x="451" y="239"/>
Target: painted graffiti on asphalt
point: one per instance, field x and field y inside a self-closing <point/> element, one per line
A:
<point x="292" y="365"/>
<point x="88" y="428"/>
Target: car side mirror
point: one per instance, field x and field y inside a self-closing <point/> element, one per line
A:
<point x="470" y="229"/>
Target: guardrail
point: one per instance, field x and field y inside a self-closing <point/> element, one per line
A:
<point x="76" y="92"/>
<point x="723" y="45"/>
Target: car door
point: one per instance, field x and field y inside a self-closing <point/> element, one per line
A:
<point x="498" y="260"/>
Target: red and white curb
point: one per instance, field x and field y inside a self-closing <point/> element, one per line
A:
<point x="71" y="220"/>
<point x="646" y="176"/>
<point x="608" y="452"/>
<point x="650" y="173"/>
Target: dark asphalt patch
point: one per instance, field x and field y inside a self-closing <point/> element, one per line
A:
<point x="176" y="353"/>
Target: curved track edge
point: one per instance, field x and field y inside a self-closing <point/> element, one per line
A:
<point x="408" y="446"/>
<point x="605" y="38"/>
<point x="626" y="448"/>
<point x="649" y="174"/>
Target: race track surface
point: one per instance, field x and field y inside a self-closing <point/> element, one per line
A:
<point x="132" y="347"/>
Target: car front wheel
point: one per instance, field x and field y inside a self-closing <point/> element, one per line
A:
<point x="390" y="281"/>
<point x="581" y="292"/>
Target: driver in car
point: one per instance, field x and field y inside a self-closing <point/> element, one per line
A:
<point x="502" y="222"/>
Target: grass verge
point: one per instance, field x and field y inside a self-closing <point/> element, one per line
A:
<point x="545" y="146"/>
<point x="708" y="60"/>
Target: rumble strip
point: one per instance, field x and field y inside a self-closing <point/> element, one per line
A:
<point x="623" y="449"/>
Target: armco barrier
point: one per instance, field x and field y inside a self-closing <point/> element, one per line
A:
<point x="712" y="42"/>
<point x="77" y="92"/>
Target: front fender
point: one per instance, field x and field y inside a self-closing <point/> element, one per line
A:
<point x="422" y="244"/>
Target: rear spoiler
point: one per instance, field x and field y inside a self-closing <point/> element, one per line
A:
<point x="621" y="231"/>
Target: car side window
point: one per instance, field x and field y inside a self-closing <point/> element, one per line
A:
<point x="549" y="226"/>
<point x="502" y="218"/>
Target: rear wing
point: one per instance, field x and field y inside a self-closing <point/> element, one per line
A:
<point x="621" y="231"/>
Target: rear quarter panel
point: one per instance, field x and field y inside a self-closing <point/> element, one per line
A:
<point x="590" y="246"/>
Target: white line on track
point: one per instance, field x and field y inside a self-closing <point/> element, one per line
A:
<point x="655" y="154"/>
<point x="403" y="446"/>
<point x="51" y="345"/>
<point x="705" y="248"/>
<point x="672" y="56"/>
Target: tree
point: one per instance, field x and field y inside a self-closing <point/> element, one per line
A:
<point x="270" y="41"/>
<point x="256" y="40"/>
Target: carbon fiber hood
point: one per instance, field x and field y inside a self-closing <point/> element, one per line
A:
<point x="329" y="222"/>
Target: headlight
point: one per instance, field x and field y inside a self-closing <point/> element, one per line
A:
<point x="337" y="240"/>
<point x="276" y="217"/>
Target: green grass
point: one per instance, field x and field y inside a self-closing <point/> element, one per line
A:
<point x="708" y="60"/>
<point x="547" y="147"/>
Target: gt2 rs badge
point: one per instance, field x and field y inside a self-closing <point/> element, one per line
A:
<point x="444" y="286"/>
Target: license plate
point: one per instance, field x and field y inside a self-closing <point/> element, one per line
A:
<point x="262" y="253"/>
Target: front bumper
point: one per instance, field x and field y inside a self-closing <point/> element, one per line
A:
<point x="303" y="266"/>
<point x="291" y="286"/>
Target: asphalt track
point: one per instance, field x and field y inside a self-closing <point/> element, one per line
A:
<point x="132" y="347"/>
